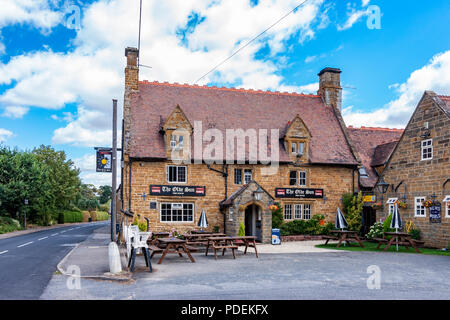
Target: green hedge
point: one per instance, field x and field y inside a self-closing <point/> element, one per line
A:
<point x="70" y="217"/>
<point x="101" y="216"/>
<point x="8" y="225"/>
<point x="313" y="226"/>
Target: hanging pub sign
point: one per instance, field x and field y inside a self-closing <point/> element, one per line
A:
<point x="435" y="213"/>
<point x="298" y="193"/>
<point x="183" y="191"/>
<point x="104" y="157"/>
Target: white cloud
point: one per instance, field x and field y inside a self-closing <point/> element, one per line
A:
<point x="35" y="12"/>
<point x="92" y="74"/>
<point x="434" y="76"/>
<point x="5" y="135"/>
<point x="364" y="3"/>
<point x="87" y="165"/>
<point x="15" y="112"/>
<point x="353" y="15"/>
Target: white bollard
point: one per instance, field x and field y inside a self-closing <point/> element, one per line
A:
<point x="115" y="265"/>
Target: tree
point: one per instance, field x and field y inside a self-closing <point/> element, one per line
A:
<point x="105" y="193"/>
<point x="64" y="177"/>
<point x="87" y="197"/>
<point x="354" y="214"/>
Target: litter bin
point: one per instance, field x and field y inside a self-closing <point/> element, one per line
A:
<point x="90" y="219"/>
<point x="276" y="236"/>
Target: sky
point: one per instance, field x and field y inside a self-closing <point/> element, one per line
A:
<point x="62" y="62"/>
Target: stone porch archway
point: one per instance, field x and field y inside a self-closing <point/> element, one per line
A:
<point x="236" y="206"/>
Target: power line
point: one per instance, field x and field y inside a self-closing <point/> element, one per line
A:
<point x="244" y="46"/>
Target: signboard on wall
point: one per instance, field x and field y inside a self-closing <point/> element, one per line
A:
<point x="435" y="213"/>
<point x="299" y="193"/>
<point x="371" y="198"/>
<point x="181" y="191"/>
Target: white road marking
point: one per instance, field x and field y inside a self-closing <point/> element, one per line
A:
<point x="25" y="244"/>
<point x="70" y="229"/>
<point x="42" y="238"/>
<point x="53" y="234"/>
<point x="63" y="231"/>
<point x="4" y="252"/>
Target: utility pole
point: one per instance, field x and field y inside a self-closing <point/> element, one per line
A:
<point x="114" y="173"/>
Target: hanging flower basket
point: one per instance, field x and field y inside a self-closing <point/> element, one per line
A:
<point x="377" y="206"/>
<point x="401" y="204"/>
<point x="427" y="203"/>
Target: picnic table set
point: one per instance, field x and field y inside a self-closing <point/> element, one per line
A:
<point x="165" y="243"/>
<point x="397" y="238"/>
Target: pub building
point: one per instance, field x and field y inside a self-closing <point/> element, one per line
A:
<point x="170" y="173"/>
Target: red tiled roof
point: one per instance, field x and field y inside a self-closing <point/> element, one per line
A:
<point x="230" y="108"/>
<point x="373" y="146"/>
<point x="446" y="100"/>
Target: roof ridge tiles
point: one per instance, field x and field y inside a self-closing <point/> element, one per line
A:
<point x="377" y="129"/>
<point x="185" y="85"/>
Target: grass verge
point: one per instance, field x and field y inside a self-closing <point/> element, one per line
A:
<point x="371" y="246"/>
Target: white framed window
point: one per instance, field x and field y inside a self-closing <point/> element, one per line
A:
<point x="177" y="212"/>
<point x="176" y="174"/>
<point x="173" y="141"/>
<point x="446" y="206"/>
<point x="307" y="211"/>
<point x="419" y="208"/>
<point x="294" y="147"/>
<point x="298" y="208"/>
<point x="301" y="148"/>
<point x="288" y="212"/>
<point x="180" y="142"/>
<point x="427" y="149"/>
<point x="237" y="176"/>
<point x="247" y="175"/>
<point x="292" y="178"/>
<point x="302" y="178"/>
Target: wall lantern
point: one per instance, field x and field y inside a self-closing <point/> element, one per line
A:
<point x="257" y="194"/>
<point x="382" y="186"/>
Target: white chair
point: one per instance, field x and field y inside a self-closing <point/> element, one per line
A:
<point x="139" y="241"/>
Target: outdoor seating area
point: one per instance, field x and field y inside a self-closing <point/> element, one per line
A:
<point x="164" y="243"/>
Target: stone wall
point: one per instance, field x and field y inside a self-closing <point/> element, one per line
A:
<point x="335" y="180"/>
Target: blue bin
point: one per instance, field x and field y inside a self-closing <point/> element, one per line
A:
<point x="276" y="236"/>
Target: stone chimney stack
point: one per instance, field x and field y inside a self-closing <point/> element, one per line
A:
<point x="131" y="85"/>
<point x="330" y="87"/>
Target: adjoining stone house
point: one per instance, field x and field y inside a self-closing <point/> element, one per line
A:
<point x="374" y="146"/>
<point x="419" y="169"/>
<point x="175" y="164"/>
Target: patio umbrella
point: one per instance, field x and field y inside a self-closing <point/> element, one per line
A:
<point x="341" y="223"/>
<point x="396" y="222"/>
<point x="203" y="222"/>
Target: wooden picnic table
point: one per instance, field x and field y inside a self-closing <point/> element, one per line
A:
<point x="174" y="245"/>
<point x="200" y="238"/>
<point x="402" y="239"/>
<point x="156" y="236"/>
<point x="227" y="242"/>
<point x="347" y="236"/>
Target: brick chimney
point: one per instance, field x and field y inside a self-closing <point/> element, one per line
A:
<point x="330" y="87"/>
<point x="131" y="85"/>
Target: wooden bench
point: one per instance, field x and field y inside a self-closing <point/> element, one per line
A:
<point x="154" y="250"/>
<point x="224" y="247"/>
<point x="329" y="238"/>
<point x="419" y="243"/>
<point x="380" y="241"/>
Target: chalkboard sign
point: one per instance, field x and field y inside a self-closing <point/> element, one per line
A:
<point x="435" y="213"/>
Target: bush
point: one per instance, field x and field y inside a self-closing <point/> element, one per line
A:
<point x="387" y="224"/>
<point x="8" y="225"/>
<point x="415" y="233"/>
<point x="102" y="216"/>
<point x="376" y="231"/>
<point x="72" y="216"/>
<point x="315" y="226"/>
<point x="354" y="213"/>
<point x="104" y="207"/>
<point x="241" y="230"/>
<point x="277" y="215"/>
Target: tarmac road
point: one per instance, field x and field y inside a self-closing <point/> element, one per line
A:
<point x="28" y="262"/>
